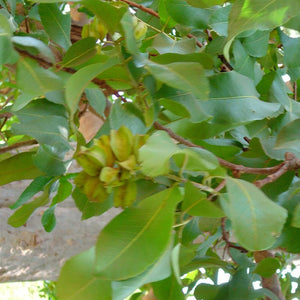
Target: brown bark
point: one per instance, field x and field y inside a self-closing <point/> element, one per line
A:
<point x="271" y="283"/>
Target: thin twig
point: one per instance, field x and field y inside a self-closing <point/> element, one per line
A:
<point x="237" y="168"/>
<point x="295" y="89"/>
<point x="221" y="185"/>
<point x="18" y="145"/>
<point x="225" y="237"/>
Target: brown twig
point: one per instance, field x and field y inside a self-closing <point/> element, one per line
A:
<point x="221" y="185"/>
<point x="271" y="283"/>
<point x="240" y="169"/>
<point x="295" y="89"/>
<point x="225" y="237"/>
<point x="18" y="145"/>
<point x="155" y="14"/>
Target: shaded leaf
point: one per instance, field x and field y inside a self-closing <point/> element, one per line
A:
<point x="18" y="167"/>
<point x="48" y="219"/>
<point x="267" y="267"/>
<point x="289" y="136"/>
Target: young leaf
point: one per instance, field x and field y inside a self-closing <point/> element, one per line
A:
<point x="256" y="220"/>
<point x="56" y="24"/>
<point x="77" y="280"/>
<point x="48" y="219"/>
<point x="20" y="217"/>
<point x="123" y="242"/>
<point x="33" y="188"/>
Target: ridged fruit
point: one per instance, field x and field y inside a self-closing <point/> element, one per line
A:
<point x="87" y="164"/>
<point x="138" y="142"/>
<point x="90" y="186"/>
<point x="125" y="195"/>
<point x="109" y="175"/>
<point x="129" y="164"/>
<point x="104" y="143"/>
<point x="100" y="193"/>
<point x="121" y="142"/>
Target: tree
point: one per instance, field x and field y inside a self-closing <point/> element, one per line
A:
<point x="195" y="136"/>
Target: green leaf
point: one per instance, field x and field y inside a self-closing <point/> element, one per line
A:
<point x="296" y="217"/>
<point x="160" y="270"/>
<point x="168" y="289"/>
<point x="234" y="101"/>
<point x="110" y="15"/>
<point x="195" y="203"/>
<point x="156" y="153"/>
<point x="34" y="80"/>
<point x="207" y="291"/>
<point x="80" y="80"/>
<point x="164" y="44"/>
<point x="256" y="220"/>
<point x="7" y="53"/>
<point x="77" y="280"/>
<point x="96" y="99"/>
<point x="219" y="20"/>
<point x="37" y="185"/>
<point x="18" y="167"/>
<point x="187" y="15"/>
<point x="64" y="191"/>
<point x="20" y="217"/>
<point x="186" y="76"/>
<point x="80" y="52"/>
<point x="257" y="44"/>
<point x="56" y="24"/>
<point x="289" y="136"/>
<point x="48" y="219"/>
<point x="90" y="209"/>
<point x="267" y="267"/>
<point x="124" y="241"/>
<point x="34" y="46"/>
<point x="46" y="122"/>
<point x="205" y="3"/>
<point x="51" y="160"/>
<point x="258" y="14"/>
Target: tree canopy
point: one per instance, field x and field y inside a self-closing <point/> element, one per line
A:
<point x="195" y="137"/>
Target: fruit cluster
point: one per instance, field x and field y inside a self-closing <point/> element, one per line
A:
<point x="110" y="166"/>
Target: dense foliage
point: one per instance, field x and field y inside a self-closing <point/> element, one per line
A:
<point x="198" y="102"/>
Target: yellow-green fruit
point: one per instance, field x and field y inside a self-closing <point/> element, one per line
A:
<point x="81" y="178"/>
<point x="87" y="164"/>
<point x="90" y="186"/>
<point x="97" y="155"/>
<point x="125" y="195"/>
<point x="140" y="30"/>
<point x="104" y="143"/>
<point x="108" y="175"/>
<point x="100" y="194"/>
<point x="99" y="28"/>
<point x="121" y="141"/>
<point x="129" y="164"/>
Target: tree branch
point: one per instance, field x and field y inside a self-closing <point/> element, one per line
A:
<point x="238" y="169"/>
<point x="18" y="145"/>
<point x="271" y="283"/>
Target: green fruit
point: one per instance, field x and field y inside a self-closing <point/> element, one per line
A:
<point x="108" y="175"/>
<point x="90" y="186"/>
<point x="121" y="141"/>
<point x="140" y="30"/>
<point x="100" y="194"/>
<point x="87" y="164"/>
<point x="125" y="195"/>
<point x="138" y="142"/>
<point x="81" y="179"/>
<point x="104" y="143"/>
<point x="129" y="164"/>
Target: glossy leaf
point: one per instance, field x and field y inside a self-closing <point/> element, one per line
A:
<point x="56" y="24"/>
<point x="96" y="99"/>
<point x="264" y="14"/>
<point x="267" y="267"/>
<point x="18" y="167"/>
<point x="122" y="241"/>
<point x="77" y="280"/>
<point x="48" y="219"/>
<point x="168" y="289"/>
<point x="256" y="220"/>
<point x="63" y="192"/>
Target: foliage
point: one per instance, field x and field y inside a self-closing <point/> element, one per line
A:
<point x="199" y="143"/>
